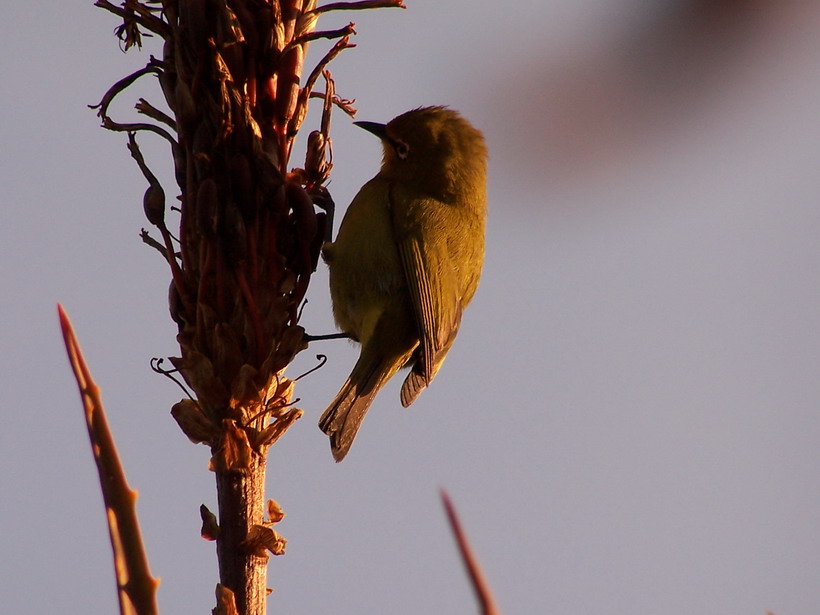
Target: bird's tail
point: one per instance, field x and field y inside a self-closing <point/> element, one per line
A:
<point x="344" y="416"/>
<point x="423" y="371"/>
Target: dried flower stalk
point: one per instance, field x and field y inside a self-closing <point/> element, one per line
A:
<point x="248" y="233"/>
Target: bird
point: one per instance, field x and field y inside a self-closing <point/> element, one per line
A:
<point x="407" y="259"/>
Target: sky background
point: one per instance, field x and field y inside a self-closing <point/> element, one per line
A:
<point x="628" y="422"/>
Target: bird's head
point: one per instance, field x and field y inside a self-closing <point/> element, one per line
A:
<point x="433" y="150"/>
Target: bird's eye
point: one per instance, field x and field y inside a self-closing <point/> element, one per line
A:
<point x="402" y="149"/>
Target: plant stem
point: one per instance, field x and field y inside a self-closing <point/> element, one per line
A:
<point x="241" y="498"/>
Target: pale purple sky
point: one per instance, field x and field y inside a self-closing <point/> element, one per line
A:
<point x="628" y="422"/>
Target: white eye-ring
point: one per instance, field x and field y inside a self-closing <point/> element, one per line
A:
<point x="402" y="149"/>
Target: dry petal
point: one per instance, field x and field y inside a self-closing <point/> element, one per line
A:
<point x="194" y="424"/>
<point x="262" y="539"/>
<point x="198" y="372"/>
<point x="225" y="601"/>
<point x="245" y="392"/>
<point x="275" y="512"/>
<point x="275" y="430"/>
<point x="234" y="453"/>
<point x="210" y="526"/>
<point x="285" y="389"/>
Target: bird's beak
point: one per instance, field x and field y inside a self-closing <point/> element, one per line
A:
<point x="380" y="130"/>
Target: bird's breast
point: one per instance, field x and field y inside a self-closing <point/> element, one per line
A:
<point x="365" y="269"/>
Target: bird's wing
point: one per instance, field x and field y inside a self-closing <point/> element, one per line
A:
<point x="430" y="281"/>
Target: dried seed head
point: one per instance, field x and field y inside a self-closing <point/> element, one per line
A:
<point x="248" y="241"/>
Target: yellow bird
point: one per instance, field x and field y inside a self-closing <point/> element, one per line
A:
<point x="407" y="259"/>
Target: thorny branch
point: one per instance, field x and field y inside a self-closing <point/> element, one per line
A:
<point x="136" y="587"/>
<point x="479" y="582"/>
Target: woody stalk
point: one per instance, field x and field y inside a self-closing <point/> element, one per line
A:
<point x="242" y="237"/>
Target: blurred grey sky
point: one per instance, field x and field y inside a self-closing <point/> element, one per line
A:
<point x="628" y="422"/>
